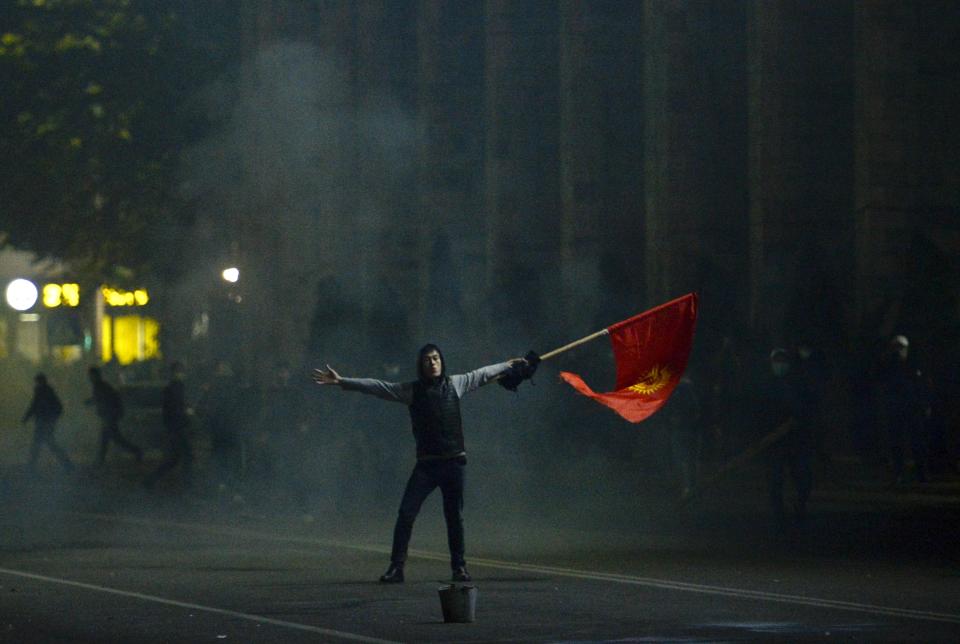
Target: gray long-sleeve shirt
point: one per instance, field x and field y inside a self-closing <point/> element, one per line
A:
<point x="402" y="392"/>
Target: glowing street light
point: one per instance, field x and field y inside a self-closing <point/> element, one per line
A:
<point x="21" y="294"/>
<point x="231" y="274"/>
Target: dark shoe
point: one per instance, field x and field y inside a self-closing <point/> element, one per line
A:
<point x="394" y="575"/>
<point x="461" y="574"/>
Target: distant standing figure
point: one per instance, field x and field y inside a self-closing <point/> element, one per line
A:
<point x="176" y="420"/>
<point x="905" y="404"/>
<point x="783" y="403"/>
<point x="812" y="376"/>
<point x="220" y="406"/>
<point x="45" y="409"/>
<point x="110" y="409"/>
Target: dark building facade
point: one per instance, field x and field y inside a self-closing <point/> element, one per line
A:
<point x="530" y="169"/>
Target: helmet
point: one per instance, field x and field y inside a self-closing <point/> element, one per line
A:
<point x="779" y="355"/>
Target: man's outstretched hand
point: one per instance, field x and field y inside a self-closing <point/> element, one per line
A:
<point x="326" y="376"/>
<point x="520" y="369"/>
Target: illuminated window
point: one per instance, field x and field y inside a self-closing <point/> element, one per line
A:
<point x="130" y="338"/>
<point x="106" y="335"/>
<point x="126" y="338"/>
<point x="151" y="339"/>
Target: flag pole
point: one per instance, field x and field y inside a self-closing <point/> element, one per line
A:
<point x="566" y="347"/>
<point x="743" y="457"/>
<point x="575" y="343"/>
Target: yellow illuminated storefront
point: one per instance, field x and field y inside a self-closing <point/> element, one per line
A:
<point x="63" y="336"/>
<point x="56" y="324"/>
<point x="125" y="335"/>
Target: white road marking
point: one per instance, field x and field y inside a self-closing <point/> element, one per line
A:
<point x="198" y="607"/>
<point x="890" y="611"/>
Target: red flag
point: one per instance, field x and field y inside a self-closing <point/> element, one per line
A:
<point x="651" y="350"/>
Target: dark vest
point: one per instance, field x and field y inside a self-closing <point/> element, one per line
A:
<point x="435" y="414"/>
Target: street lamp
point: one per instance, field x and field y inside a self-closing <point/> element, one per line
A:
<point x="231" y="274"/>
<point x="21" y="294"/>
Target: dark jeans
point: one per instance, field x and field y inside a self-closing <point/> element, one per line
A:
<point x="111" y="432"/>
<point x="798" y="460"/>
<point x="178" y="449"/>
<point x="448" y="475"/>
<point x="43" y="435"/>
<point x="903" y="429"/>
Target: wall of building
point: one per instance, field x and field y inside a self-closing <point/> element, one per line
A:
<point x="544" y="165"/>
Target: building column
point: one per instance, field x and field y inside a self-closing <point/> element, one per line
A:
<point x="391" y="230"/>
<point x="266" y="208"/>
<point x="694" y="155"/>
<point x="449" y="170"/>
<point x="800" y="168"/>
<point x="887" y="157"/>
<point x="522" y="195"/>
<point x="601" y="159"/>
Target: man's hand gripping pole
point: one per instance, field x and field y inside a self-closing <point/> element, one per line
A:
<point x="524" y="369"/>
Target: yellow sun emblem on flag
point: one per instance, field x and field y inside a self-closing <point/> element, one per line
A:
<point x="653" y="381"/>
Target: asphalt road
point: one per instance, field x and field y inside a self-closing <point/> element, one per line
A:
<point x="159" y="567"/>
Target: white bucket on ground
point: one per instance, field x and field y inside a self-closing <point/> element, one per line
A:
<point x="458" y="602"/>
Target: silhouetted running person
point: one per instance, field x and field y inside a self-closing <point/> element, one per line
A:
<point x="434" y="403"/>
<point x="45" y="409"/>
<point x="110" y="409"/>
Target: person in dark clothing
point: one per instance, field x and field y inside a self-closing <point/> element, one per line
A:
<point x="109" y="408"/>
<point x="434" y="404"/>
<point x="176" y="420"/>
<point x="812" y="376"/>
<point x="45" y="409"/>
<point x="783" y="403"/>
<point x="221" y="406"/>
<point x="904" y="405"/>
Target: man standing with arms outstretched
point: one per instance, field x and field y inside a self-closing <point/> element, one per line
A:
<point x="434" y="403"/>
